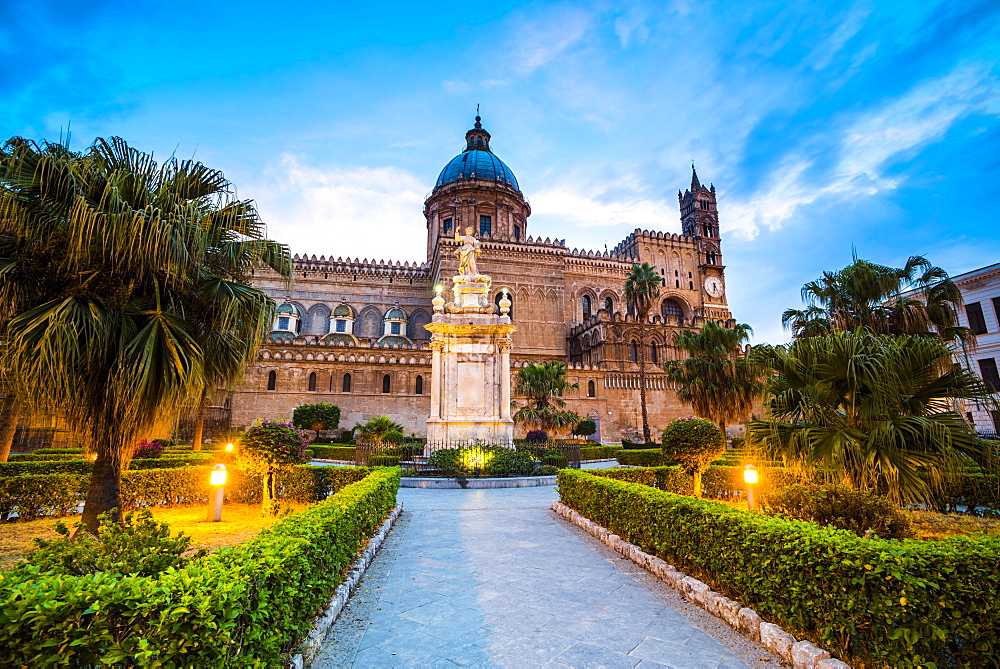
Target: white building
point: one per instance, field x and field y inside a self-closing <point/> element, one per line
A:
<point x="981" y="313"/>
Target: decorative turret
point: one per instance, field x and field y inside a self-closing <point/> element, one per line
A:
<point x="699" y="213"/>
<point x="287" y="319"/>
<point x="477" y="138"/>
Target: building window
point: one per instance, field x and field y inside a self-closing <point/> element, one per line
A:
<point x="347" y="383"/>
<point x="710" y="257"/>
<point x="509" y="297"/>
<point x="633" y="353"/>
<point x="283" y="323"/>
<point x="341" y="326"/>
<point x="312" y="381"/>
<point x="671" y="311"/>
<point x="586" y="306"/>
<point x="394" y="328"/>
<point x="485" y="226"/>
<point x="386" y="385"/>
<point x="447" y="225"/>
<point x="272" y="380"/>
<point x="977" y="323"/>
<point x="591" y="389"/>
<point x="677" y="283"/>
<point x="517" y="233"/>
<point x="652" y="353"/>
<point x="988" y="370"/>
<point x="609" y="305"/>
<point x="690" y="285"/>
<point x="419" y="385"/>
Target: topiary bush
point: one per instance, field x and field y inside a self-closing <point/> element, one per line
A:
<point x="137" y="546"/>
<point x="863" y="513"/>
<point x="646" y="457"/>
<point x="694" y="443"/>
<point x="536" y="437"/>
<point x="585" y="428"/>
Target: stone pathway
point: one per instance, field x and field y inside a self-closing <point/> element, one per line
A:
<point x="491" y="578"/>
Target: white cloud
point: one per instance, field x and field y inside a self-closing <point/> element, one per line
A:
<point x="592" y="207"/>
<point x="868" y="146"/>
<point x="340" y="211"/>
<point x="537" y="42"/>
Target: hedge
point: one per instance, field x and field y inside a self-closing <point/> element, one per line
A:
<point x="878" y="602"/>
<point x="245" y="605"/>
<point x="44" y="457"/>
<point x="646" y="457"/>
<point x="333" y="452"/>
<point x="599" y="452"/>
<point x="35" y="495"/>
<point x="16" y="468"/>
<point x="718" y="482"/>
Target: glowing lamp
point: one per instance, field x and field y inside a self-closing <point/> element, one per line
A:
<point x="218" y="482"/>
<point x="229" y="447"/>
<point x="750" y="479"/>
<point x="218" y="475"/>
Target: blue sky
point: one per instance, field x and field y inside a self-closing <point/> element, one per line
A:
<point x="824" y="126"/>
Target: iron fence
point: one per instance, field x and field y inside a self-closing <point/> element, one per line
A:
<point x="469" y="456"/>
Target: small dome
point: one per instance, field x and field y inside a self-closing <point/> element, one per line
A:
<point x="287" y="308"/>
<point x="343" y="310"/>
<point x="395" y="314"/>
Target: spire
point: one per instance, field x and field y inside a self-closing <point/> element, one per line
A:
<point x="695" y="184"/>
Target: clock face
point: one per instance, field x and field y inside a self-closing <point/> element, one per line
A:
<point x="714" y="287"/>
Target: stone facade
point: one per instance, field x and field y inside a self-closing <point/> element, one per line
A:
<point x="352" y="330"/>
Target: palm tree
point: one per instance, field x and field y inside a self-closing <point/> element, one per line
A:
<point x="642" y="286"/>
<point x="718" y="381"/>
<point x="875" y="409"/>
<point x="377" y="429"/>
<point x="544" y="385"/>
<point x="112" y="268"/>
<point x="870" y="296"/>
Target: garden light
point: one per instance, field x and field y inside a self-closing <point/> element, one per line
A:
<point x="218" y="483"/>
<point x="750" y="479"/>
<point x="229" y="446"/>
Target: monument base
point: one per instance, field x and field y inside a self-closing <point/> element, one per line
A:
<point x="468" y="431"/>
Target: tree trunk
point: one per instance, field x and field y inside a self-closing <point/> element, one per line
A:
<point x="269" y="506"/>
<point x="8" y="425"/>
<point x="725" y="440"/>
<point x="642" y="377"/>
<point x="697" y="484"/>
<point x="104" y="492"/>
<point x="199" y="423"/>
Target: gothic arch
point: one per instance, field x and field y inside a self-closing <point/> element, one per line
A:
<point x="615" y="300"/>
<point x="316" y="320"/>
<point x="418" y="319"/>
<point x="680" y="301"/>
<point x="369" y="323"/>
<point x="586" y="304"/>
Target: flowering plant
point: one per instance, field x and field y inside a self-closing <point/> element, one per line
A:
<point x="537" y="437"/>
<point x="149" y="449"/>
<point x="267" y="447"/>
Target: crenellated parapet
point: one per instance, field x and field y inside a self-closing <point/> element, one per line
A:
<point x="361" y="266"/>
<point x="630" y="245"/>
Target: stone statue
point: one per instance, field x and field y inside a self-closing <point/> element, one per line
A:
<point x="467" y="253"/>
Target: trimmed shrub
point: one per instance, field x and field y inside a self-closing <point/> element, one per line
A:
<point x="148" y="450"/>
<point x="599" y="452"/>
<point x="383" y="460"/>
<point x="244" y="605"/>
<point x="646" y="457"/>
<point x="57" y="451"/>
<point x="482" y="461"/>
<point x="546" y="470"/>
<point x="536" y="437"/>
<point x="717" y="482"/>
<point x="16" y="468"/>
<point x="639" y="445"/>
<point x="556" y="460"/>
<point x="333" y="452"/>
<point x="316" y="417"/>
<point x="33" y="496"/>
<point x="693" y="443"/>
<point x="863" y="513"/>
<point x="44" y="457"/>
<point x="871" y="601"/>
<point x="585" y="428"/>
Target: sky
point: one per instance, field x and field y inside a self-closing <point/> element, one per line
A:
<point x="828" y="129"/>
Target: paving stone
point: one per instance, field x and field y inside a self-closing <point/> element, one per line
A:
<point x="588" y="656"/>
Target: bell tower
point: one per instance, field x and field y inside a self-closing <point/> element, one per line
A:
<point x="699" y="211"/>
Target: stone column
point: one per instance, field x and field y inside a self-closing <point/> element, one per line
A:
<point x="505" y="382"/>
<point x="436" y="371"/>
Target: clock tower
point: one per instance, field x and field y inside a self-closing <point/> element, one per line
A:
<point x="700" y="219"/>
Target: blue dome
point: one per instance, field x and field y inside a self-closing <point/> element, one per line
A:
<point x="476" y="164"/>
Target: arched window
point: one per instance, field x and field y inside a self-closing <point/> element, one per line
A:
<point x="591" y="389"/>
<point x="419" y="385"/>
<point x="347" y="383"/>
<point x="386" y="384"/>
<point x="586" y="307"/>
<point x="633" y="353"/>
<point x="272" y="380"/>
<point x="312" y="381"/>
<point x="671" y="311"/>
<point x="509" y="297"/>
<point x="652" y="353"/>
<point x="609" y="305"/>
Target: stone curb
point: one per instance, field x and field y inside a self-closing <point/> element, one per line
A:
<point x="800" y="654"/>
<point x="317" y="635"/>
<point x="475" y="484"/>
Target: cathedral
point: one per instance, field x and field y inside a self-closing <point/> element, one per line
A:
<point x="351" y="332"/>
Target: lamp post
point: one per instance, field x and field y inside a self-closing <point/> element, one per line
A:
<point x="229" y="447"/>
<point x="750" y="479"/>
<point x="217" y="485"/>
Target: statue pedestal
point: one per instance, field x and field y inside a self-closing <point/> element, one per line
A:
<point x="470" y="369"/>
